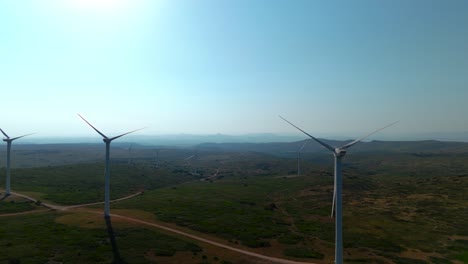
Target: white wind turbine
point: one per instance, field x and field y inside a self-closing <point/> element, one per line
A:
<point x="107" y="171"/>
<point x="189" y="163"/>
<point x="130" y="154"/>
<point x="299" y="159"/>
<point x="338" y="153"/>
<point x="9" y="140"/>
<point x="156" y="157"/>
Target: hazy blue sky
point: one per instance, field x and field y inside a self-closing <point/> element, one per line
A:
<point x="232" y="66"/>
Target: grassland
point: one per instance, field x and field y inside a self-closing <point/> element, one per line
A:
<point x="398" y="207"/>
<point x="39" y="238"/>
<point x="401" y="209"/>
<point x="83" y="183"/>
<point x="12" y="206"/>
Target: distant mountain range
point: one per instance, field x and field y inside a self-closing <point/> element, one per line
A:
<point x="172" y="140"/>
<point x="189" y="139"/>
<point x="424" y="146"/>
<point x="253" y="143"/>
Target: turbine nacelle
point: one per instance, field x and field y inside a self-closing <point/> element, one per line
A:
<point x="106" y="140"/>
<point x="339" y="152"/>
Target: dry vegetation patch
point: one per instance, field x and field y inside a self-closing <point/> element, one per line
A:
<point x="82" y="219"/>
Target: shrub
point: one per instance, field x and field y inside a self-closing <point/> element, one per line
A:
<point x="302" y="252"/>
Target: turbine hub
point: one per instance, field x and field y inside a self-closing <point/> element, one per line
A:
<point x="106" y="140"/>
<point x="340" y="152"/>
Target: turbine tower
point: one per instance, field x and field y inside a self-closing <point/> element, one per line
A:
<point x="299" y="159"/>
<point x="107" y="171"/>
<point x="9" y="140"/>
<point x="156" y="158"/>
<point x="338" y="153"/>
<point x="130" y="154"/>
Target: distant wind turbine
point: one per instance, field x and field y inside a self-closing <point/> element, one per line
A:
<point x="130" y="154"/>
<point x="299" y="159"/>
<point x="338" y="153"/>
<point x="188" y="159"/>
<point x="107" y="171"/>
<point x="9" y="140"/>
<point x="156" y="157"/>
<point x="189" y="162"/>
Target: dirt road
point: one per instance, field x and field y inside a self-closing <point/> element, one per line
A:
<point x="245" y="252"/>
<point x="172" y="230"/>
<point x="66" y="207"/>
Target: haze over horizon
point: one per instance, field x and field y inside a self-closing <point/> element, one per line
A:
<point x="337" y="68"/>
<point x="194" y="139"/>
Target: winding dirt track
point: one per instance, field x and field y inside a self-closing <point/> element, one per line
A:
<point x="245" y="252"/>
<point x="172" y="230"/>
<point x="66" y="207"/>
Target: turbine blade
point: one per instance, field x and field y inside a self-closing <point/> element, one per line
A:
<point x="22" y="136"/>
<point x="302" y="146"/>
<point x="99" y="132"/>
<point x="189" y="157"/>
<point x="333" y="203"/>
<point x="126" y="133"/>
<point x="318" y="141"/>
<point x="359" y="139"/>
<point x="3" y="132"/>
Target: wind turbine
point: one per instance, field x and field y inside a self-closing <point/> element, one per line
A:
<point x="9" y="140"/>
<point x="189" y="162"/>
<point x="107" y="171"/>
<point x="299" y="159"/>
<point x="130" y="154"/>
<point x="338" y="153"/>
<point x="156" y="158"/>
